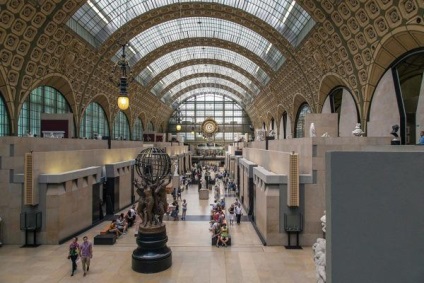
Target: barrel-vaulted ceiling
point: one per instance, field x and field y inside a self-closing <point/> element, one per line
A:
<point x="193" y="53"/>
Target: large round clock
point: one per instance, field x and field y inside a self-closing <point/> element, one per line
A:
<point x="209" y="126"/>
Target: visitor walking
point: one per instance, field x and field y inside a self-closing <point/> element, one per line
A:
<point x="184" y="205"/>
<point x="74" y="251"/>
<point x="238" y="212"/>
<point x="86" y="253"/>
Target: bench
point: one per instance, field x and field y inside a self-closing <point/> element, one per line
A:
<point x="105" y="239"/>
<point x="214" y="239"/>
<point x="105" y="230"/>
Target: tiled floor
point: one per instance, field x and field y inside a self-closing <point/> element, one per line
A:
<point x="193" y="257"/>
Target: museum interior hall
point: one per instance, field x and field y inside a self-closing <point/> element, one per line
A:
<point x="305" y="115"/>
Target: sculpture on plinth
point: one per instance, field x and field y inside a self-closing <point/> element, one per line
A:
<point x="319" y="249"/>
<point x="358" y="131"/>
<point x="312" y="132"/>
<point x="153" y="166"/>
<point x="324" y="223"/>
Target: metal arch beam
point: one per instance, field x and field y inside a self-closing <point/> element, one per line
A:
<point x="209" y="70"/>
<point x="218" y="86"/>
<point x="236" y="68"/>
<point x="216" y="91"/>
<point x="201" y="41"/>
<point x="201" y="75"/>
<point x="147" y="20"/>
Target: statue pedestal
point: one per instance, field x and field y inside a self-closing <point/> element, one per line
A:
<point x="203" y="194"/>
<point x="152" y="254"/>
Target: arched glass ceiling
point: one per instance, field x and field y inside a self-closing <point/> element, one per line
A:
<point x="204" y="69"/>
<point x="202" y="52"/>
<point x="205" y="90"/>
<point x="198" y="27"/>
<point x="205" y="80"/>
<point x="97" y="20"/>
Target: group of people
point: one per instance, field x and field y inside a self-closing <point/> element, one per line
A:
<point x="218" y="221"/>
<point x="84" y="251"/>
<point x="120" y="225"/>
<point x="176" y="210"/>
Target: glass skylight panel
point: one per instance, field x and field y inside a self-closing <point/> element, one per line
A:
<point x="208" y="69"/>
<point x="196" y="27"/>
<point x="104" y="17"/>
<point x="200" y="94"/>
<point x="207" y="81"/>
<point x="202" y="52"/>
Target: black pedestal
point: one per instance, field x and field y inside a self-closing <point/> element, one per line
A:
<point x="152" y="254"/>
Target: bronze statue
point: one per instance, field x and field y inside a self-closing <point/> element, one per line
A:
<point x="152" y="203"/>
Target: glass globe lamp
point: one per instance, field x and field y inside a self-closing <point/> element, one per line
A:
<point x="123" y="102"/>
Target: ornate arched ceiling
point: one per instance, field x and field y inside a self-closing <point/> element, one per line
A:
<point x="356" y="41"/>
<point x="212" y="63"/>
<point x="225" y="38"/>
<point x="202" y="42"/>
<point x="203" y="52"/>
<point x="203" y="79"/>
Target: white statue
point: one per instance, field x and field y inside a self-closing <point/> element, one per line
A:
<point x="324" y="222"/>
<point x="176" y="167"/>
<point x="312" y="132"/>
<point x="319" y="249"/>
<point x="271" y="133"/>
<point x="325" y="135"/>
<point x="260" y="135"/>
<point x="358" y="131"/>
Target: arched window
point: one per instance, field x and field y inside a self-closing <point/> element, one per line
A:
<point x="232" y="119"/>
<point x="94" y="122"/>
<point x="336" y="101"/>
<point x="138" y="130"/>
<point x="150" y="127"/>
<point x="284" y="121"/>
<point x="300" y="120"/>
<point x="43" y="99"/>
<point x="121" y="127"/>
<point x="4" y="118"/>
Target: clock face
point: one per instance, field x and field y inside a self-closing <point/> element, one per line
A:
<point x="209" y="126"/>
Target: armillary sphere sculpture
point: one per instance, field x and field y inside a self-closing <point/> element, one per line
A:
<point x="153" y="166"/>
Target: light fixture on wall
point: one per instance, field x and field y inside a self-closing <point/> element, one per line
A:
<point x="124" y="79"/>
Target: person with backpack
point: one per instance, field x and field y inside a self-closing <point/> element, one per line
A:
<point x="130" y="217"/>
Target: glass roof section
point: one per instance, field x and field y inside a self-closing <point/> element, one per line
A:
<point x="202" y="52"/>
<point x="204" y="69"/>
<point x="202" y="27"/>
<point x="206" y="81"/>
<point x="97" y="20"/>
<point x="205" y="91"/>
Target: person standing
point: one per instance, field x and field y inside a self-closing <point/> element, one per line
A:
<point x="238" y="212"/>
<point x="421" y="140"/>
<point x="184" y="205"/>
<point x="74" y="251"/>
<point x="231" y="211"/>
<point x="86" y="253"/>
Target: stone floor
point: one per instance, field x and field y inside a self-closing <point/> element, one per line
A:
<point x="193" y="257"/>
